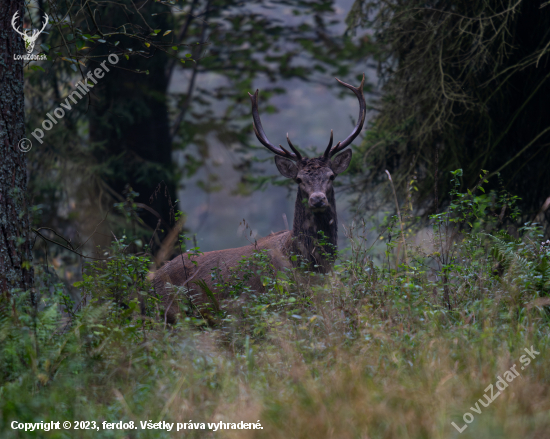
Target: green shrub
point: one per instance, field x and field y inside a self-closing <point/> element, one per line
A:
<point x="396" y="348"/>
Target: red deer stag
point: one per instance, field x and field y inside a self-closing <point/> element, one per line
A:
<point x="315" y="211"/>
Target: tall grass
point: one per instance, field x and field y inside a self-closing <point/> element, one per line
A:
<point x="369" y="351"/>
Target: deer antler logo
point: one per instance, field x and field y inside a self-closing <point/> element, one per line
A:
<point x="29" y="39"/>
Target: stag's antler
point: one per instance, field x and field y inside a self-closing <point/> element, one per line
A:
<point x="13" y="24"/>
<point x="43" y="27"/>
<point x="260" y="134"/>
<point x="329" y="152"/>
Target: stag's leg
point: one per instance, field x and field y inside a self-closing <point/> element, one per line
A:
<point x="172" y="283"/>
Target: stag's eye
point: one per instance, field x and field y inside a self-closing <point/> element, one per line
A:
<point x="332" y="177"/>
<point x="298" y="180"/>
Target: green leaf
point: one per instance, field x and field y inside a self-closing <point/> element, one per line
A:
<point x="175" y="48"/>
<point x="188" y="55"/>
<point x="201" y="283"/>
<point x="543" y="266"/>
<point x="166" y="33"/>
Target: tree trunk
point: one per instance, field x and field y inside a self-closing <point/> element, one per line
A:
<point x="15" y="241"/>
<point x="129" y="124"/>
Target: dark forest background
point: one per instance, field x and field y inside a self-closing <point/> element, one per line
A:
<point x="166" y="135"/>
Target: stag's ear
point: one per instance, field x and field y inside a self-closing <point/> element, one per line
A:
<point x="286" y="167"/>
<point x="340" y="163"/>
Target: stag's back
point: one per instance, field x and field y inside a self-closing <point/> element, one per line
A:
<point x="185" y="270"/>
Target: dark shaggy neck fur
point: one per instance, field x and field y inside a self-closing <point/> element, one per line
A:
<point x="306" y="239"/>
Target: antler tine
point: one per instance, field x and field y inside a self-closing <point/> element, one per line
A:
<point x="15" y="17"/>
<point x="45" y="22"/>
<point x="360" y="121"/>
<point x="283" y="148"/>
<point x="260" y="134"/>
<point x="327" y="151"/>
<point x="298" y="155"/>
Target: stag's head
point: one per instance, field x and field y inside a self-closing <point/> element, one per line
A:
<point x="315" y="176"/>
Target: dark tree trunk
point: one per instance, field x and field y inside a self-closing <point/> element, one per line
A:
<point x="129" y="124"/>
<point x="15" y="241"/>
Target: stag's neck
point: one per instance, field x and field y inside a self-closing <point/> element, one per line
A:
<point x="318" y="249"/>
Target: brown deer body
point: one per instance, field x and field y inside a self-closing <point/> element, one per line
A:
<point x="314" y="217"/>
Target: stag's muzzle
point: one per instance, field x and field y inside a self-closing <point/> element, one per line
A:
<point x="318" y="201"/>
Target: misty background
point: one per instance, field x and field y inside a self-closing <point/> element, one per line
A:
<point x="307" y="111"/>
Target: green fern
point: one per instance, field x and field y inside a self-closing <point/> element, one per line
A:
<point x="531" y="275"/>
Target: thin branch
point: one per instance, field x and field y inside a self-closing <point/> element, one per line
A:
<point x="183" y="111"/>
<point x="65" y="247"/>
<point x="519" y="153"/>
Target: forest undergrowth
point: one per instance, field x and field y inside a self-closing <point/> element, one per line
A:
<point x="400" y="346"/>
